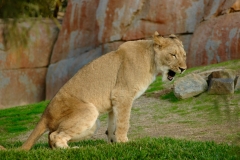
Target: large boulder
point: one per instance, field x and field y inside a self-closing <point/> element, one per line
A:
<point x="215" y="41"/>
<point x="23" y="69"/>
<point x="189" y="86"/>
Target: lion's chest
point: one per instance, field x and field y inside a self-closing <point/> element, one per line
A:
<point x="141" y="89"/>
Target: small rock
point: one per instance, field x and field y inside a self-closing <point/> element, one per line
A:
<point x="221" y="86"/>
<point x="237" y="83"/>
<point x="189" y="86"/>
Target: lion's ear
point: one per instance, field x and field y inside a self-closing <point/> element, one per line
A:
<point x="156" y="33"/>
<point x="159" y="40"/>
<point x="173" y="36"/>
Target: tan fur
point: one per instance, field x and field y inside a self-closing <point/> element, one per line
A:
<point x="108" y="84"/>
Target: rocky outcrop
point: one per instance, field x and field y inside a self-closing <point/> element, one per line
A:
<point x="23" y="69"/>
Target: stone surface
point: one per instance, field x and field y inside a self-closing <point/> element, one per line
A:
<point x="42" y="36"/>
<point x="189" y="86"/>
<point x="221" y="86"/>
<point x="215" y="8"/>
<point x="79" y="32"/>
<point x="161" y="16"/>
<point x="22" y="86"/>
<point x="215" y="41"/>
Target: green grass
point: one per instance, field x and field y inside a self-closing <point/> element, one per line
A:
<point x="213" y="108"/>
<point x="146" y="148"/>
<point x="14" y="121"/>
<point x="156" y="86"/>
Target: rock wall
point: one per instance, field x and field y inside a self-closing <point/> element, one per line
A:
<point x="23" y="69"/>
<point x="208" y="28"/>
<point x="92" y="28"/>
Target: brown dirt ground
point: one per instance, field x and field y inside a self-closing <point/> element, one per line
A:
<point x="144" y="125"/>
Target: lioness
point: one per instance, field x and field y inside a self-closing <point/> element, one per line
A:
<point x="108" y="84"/>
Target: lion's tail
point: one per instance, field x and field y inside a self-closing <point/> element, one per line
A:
<point x="35" y="135"/>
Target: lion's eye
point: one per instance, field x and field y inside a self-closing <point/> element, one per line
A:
<point x="173" y="55"/>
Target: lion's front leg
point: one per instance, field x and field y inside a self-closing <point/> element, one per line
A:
<point x="110" y="132"/>
<point x="122" y="115"/>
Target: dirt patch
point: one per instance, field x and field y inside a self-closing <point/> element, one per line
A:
<point x="191" y="127"/>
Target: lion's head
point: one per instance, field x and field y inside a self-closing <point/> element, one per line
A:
<point x="170" y="57"/>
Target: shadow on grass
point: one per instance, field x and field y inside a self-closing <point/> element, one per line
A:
<point x="170" y="97"/>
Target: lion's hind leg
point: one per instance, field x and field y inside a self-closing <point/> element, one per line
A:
<point x="80" y="124"/>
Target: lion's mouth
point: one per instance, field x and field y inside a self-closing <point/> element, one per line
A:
<point x="171" y="75"/>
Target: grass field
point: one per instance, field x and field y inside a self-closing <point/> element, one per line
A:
<point x="202" y="127"/>
<point x="146" y="148"/>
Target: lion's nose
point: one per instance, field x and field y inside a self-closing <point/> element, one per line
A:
<point x="181" y="69"/>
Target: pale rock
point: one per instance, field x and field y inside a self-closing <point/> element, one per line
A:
<point x="189" y="86"/>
